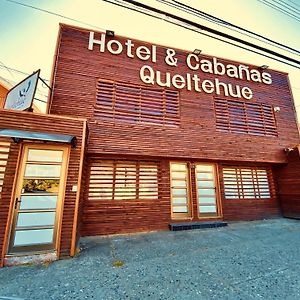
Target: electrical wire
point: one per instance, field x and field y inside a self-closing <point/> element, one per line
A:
<point x="297" y="4"/>
<point x="240" y="28"/>
<point x="12" y="69"/>
<point x="40" y="92"/>
<point x="4" y="66"/>
<point x="167" y="16"/>
<point x="221" y="22"/>
<point x="280" y="10"/>
<point x="18" y="71"/>
<point x="59" y="15"/>
<point x="213" y="31"/>
<point x="238" y="46"/>
<point x="40" y="100"/>
<point x="287" y="6"/>
<point x="53" y="13"/>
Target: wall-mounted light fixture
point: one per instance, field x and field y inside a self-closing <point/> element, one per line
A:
<point x="110" y="33"/>
<point x="264" y="67"/>
<point x="276" y="109"/>
<point x="288" y="150"/>
<point x="197" y="51"/>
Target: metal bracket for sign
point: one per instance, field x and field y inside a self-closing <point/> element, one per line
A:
<point x="46" y="84"/>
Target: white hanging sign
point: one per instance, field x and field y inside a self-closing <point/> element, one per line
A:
<point x="20" y="97"/>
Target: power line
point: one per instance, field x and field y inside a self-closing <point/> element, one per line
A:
<point x="221" y="22"/>
<point x="136" y="3"/>
<point x="53" y="13"/>
<point x="167" y="16"/>
<point x="284" y="8"/>
<point x="18" y="71"/>
<point x="201" y="27"/>
<point x="12" y="69"/>
<point x="40" y="100"/>
<point x="287" y="6"/>
<point x="238" y="27"/>
<point x="213" y="31"/>
<point x="4" y="66"/>
<point x="297" y="4"/>
<point x="27" y="74"/>
<point x="280" y="9"/>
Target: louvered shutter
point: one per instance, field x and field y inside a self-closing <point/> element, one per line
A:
<point x="4" y="150"/>
<point x="123" y="180"/>
<point x="241" y="117"/>
<point x="118" y="101"/>
<point x="247" y="183"/>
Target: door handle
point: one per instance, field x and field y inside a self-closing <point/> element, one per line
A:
<point x="16" y="202"/>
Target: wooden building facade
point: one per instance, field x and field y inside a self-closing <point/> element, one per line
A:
<point x="171" y="137"/>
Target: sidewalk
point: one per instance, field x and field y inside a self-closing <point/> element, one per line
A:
<point x="246" y="260"/>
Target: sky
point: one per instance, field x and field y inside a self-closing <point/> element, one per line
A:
<point x="28" y="36"/>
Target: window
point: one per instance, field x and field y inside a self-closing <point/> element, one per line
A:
<point x="4" y="149"/>
<point x="123" y="180"/>
<point x="243" y="117"/>
<point x="247" y="183"/>
<point x="118" y="101"/>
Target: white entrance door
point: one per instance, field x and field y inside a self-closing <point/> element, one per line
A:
<point x="180" y="192"/>
<point x="206" y="190"/>
<point x="38" y="199"/>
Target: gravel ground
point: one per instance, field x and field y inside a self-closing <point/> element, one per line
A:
<point x="246" y="260"/>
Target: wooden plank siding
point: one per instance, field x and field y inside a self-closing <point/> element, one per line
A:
<point x="194" y="138"/>
<point x="77" y="71"/>
<point x="3" y="92"/>
<point x="6" y="194"/>
<point x="288" y="180"/>
<point x="48" y="124"/>
<point x="102" y="217"/>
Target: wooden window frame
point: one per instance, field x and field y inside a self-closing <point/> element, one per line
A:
<point x="55" y="246"/>
<point x="219" y="212"/>
<point x="189" y="214"/>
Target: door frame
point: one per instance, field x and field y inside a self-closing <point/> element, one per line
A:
<point x="20" y="169"/>
<point x="190" y="214"/>
<point x="219" y="213"/>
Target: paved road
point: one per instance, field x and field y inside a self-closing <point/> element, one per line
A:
<point x="247" y="260"/>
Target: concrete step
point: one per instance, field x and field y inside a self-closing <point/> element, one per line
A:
<point x="196" y="225"/>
